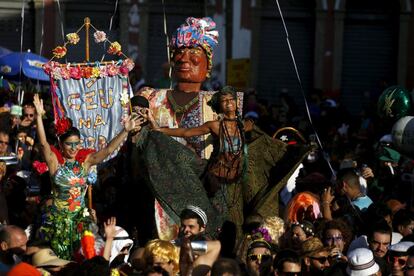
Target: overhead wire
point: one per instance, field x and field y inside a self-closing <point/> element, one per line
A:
<point x="325" y="155"/>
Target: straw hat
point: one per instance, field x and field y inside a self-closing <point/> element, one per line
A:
<point x="46" y="257"/>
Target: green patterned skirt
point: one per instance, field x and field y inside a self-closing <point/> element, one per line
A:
<point x="63" y="229"/>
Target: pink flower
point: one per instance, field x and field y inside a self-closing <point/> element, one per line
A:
<point x="75" y="73"/>
<point x="128" y="63"/>
<point x="103" y="72"/>
<point x="56" y="73"/>
<point x="112" y="70"/>
<point x="64" y="72"/>
<point x="99" y="36"/>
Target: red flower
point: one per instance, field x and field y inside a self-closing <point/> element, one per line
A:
<point x="62" y="125"/>
<point x="82" y="154"/>
<point x="87" y="72"/>
<point x="76" y="170"/>
<point x="60" y="51"/>
<point x="124" y="70"/>
<point x="72" y="204"/>
<point x="75" y="73"/>
<point x="80" y="227"/>
<point x="40" y="167"/>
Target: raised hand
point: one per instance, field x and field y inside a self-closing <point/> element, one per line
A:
<point x="110" y="228"/>
<point x="38" y="103"/>
<point x="133" y="123"/>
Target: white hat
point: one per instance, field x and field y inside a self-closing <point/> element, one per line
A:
<point x="401" y="246"/>
<point x="121" y="240"/>
<point x="361" y="263"/>
<point x="199" y="212"/>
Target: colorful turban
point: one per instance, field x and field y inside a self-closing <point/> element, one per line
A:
<point x="197" y="32"/>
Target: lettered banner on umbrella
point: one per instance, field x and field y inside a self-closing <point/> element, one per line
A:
<point x="95" y="99"/>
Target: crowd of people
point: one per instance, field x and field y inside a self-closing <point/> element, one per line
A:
<point x="261" y="196"/>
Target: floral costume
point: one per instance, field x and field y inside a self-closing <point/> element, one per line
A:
<point x="67" y="217"/>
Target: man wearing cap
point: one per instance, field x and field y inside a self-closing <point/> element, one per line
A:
<point x="315" y="257"/>
<point x="193" y="223"/>
<point x="259" y="258"/>
<point x="361" y="263"/>
<point x="398" y="257"/>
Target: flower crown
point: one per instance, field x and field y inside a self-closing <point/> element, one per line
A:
<point x="62" y="125"/>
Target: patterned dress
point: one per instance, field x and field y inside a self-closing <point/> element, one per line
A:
<point x="67" y="217"/>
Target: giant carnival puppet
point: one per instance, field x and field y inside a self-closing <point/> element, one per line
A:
<point x="247" y="168"/>
<point x="89" y="100"/>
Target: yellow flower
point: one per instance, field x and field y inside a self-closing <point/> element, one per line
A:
<point x="96" y="71"/>
<point x="73" y="38"/>
<point x="115" y="48"/>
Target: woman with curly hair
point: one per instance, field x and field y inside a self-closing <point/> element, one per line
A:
<point x="336" y="234"/>
<point x="163" y="254"/>
<point x="69" y="167"/>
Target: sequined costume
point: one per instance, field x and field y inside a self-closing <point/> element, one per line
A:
<point x="67" y="217"/>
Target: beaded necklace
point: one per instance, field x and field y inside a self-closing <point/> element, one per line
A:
<point x="180" y="109"/>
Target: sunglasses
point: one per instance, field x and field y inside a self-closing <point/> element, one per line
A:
<point x="334" y="239"/>
<point x="259" y="257"/>
<point x="321" y="260"/>
<point x="393" y="259"/>
<point x="4" y="142"/>
<point x="72" y="144"/>
<point x="28" y="115"/>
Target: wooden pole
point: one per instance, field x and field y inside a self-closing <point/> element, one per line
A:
<point x="90" y="196"/>
<point x="87" y="22"/>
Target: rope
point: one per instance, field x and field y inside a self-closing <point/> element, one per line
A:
<point x="325" y="155"/>
<point x="41" y="39"/>
<point x="19" y="95"/>
<point x="61" y="23"/>
<point x="168" y="42"/>
<point x="110" y="25"/>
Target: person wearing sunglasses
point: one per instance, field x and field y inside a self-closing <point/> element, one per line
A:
<point x="398" y="257"/>
<point x="315" y="257"/>
<point x="29" y="113"/>
<point x="259" y="258"/>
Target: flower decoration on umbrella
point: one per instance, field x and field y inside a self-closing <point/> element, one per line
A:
<point x="73" y="38"/>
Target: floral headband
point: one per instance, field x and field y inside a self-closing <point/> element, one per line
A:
<point x="62" y="125"/>
<point x="197" y="32"/>
<point x="306" y="228"/>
